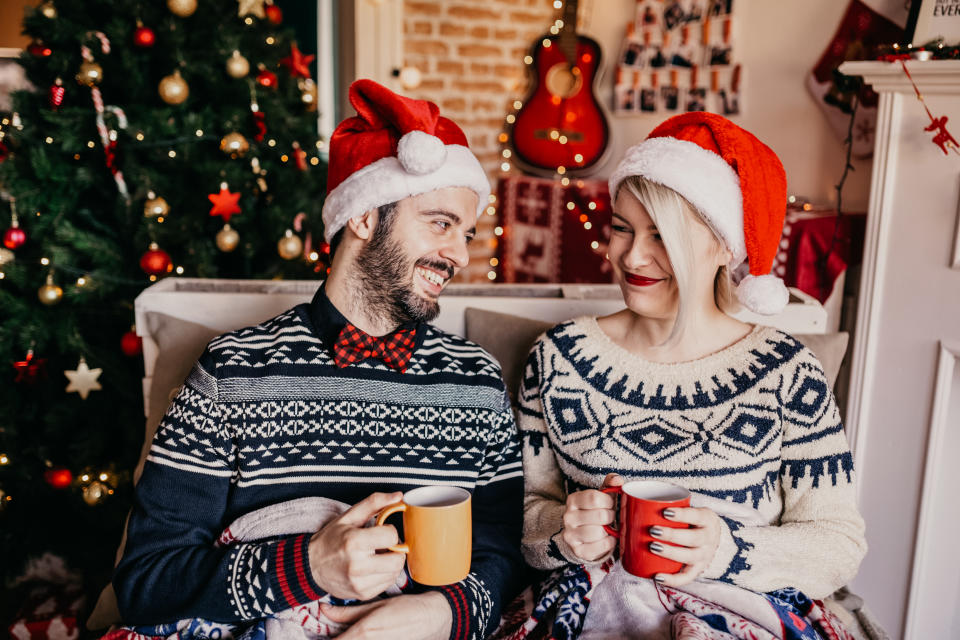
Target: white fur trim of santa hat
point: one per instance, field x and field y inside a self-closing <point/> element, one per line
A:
<point x="423" y="163"/>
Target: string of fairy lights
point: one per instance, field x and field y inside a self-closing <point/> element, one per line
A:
<point x="560" y="173"/>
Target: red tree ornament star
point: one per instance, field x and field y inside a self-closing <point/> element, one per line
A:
<point x="298" y="63"/>
<point x="224" y="203"/>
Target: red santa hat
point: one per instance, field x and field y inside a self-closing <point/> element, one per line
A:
<point x="734" y="181"/>
<point x="394" y="148"/>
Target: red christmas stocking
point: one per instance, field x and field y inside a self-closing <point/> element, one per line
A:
<point x="860" y="32"/>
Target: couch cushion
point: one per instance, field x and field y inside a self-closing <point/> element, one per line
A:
<point x="509" y="339"/>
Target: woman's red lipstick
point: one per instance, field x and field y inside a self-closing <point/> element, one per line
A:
<point x="640" y="281"/>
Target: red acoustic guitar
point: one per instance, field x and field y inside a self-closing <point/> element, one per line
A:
<point x="561" y="122"/>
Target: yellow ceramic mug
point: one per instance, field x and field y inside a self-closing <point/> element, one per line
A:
<point x="438" y="528"/>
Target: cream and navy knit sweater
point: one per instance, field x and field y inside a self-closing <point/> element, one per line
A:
<point x="754" y="424"/>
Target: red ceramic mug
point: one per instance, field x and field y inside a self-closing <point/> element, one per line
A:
<point x="641" y="506"/>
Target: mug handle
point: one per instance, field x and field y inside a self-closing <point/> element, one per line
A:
<point x="386" y="513"/>
<point x="616" y="491"/>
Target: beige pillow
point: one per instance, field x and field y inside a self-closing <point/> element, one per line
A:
<point x="509" y="339"/>
<point x="179" y="344"/>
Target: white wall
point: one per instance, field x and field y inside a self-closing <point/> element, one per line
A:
<point x="777" y="42"/>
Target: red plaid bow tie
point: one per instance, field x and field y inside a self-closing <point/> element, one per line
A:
<point x="394" y="349"/>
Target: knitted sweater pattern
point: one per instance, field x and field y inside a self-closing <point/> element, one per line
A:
<point x="754" y="424"/>
<point x="266" y="417"/>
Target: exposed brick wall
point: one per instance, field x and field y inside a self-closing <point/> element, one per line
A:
<point x="471" y="55"/>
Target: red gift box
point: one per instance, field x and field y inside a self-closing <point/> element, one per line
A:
<point x="49" y="612"/>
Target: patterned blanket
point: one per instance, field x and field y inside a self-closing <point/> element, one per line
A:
<point x="305" y="622"/>
<point x="604" y="602"/>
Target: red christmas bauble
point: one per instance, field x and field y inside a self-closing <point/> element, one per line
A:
<point x="58" y="478"/>
<point x="39" y="49"/>
<point x="14" y="238"/>
<point x="267" y="78"/>
<point x="144" y="37"/>
<point x="156" y="261"/>
<point x="274" y="13"/>
<point x="131" y="344"/>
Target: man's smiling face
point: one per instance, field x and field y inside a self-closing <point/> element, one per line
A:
<point x="416" y="251"/>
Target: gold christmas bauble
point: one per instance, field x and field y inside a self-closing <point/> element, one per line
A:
<point x="182" y="8"/>
<point x="308" y="94"/>
<point x="155" y="206"/>
<point x="237" y="65"/>
<point x="289" y="246"/>
<point x="90" y="73"/>
<point x="50" y="294"/>
<point x="173" y="88"/>
<point x="234" y="144"/>
<point x="48" y="10"/>
<point x="95" y="493"/>
<point x="4" y="499"/>
<point x="227" y="239"/>
<point x="6" y="256"/>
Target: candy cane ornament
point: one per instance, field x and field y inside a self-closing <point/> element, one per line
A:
<point x="108" y="137"/>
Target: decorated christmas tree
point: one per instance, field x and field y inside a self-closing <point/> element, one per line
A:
<point x="162" y="139"/>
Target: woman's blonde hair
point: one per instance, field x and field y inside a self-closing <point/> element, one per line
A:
<point x="673" y="215"/>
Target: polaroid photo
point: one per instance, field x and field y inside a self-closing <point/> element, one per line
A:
<point x="670" y="98"/>
<point x="696" y="99"/>
<point x="673" y="14"/>
<point x="648" y="99"/>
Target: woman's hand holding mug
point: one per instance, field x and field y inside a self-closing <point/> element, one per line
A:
<point x="695" y="547"/>
<point x="583" y="519"/>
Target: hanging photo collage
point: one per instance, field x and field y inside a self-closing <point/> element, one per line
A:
<point x="678" y="56"/>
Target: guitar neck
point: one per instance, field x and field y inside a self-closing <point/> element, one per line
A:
<point x="568" y="36"/>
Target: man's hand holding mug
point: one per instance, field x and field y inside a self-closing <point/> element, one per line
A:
<point x="343" y="554"/>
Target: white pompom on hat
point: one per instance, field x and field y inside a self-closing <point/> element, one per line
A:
<point x="734" y="181"/>
<point x="394" y="148"/>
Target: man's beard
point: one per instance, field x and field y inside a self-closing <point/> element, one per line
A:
<point x="386" y="280"/>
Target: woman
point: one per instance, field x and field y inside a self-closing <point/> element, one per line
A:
<point x="672" y="388"/>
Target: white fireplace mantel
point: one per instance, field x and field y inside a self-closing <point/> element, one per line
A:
<point x="932" y="76"/>
<point x="903" y="417"/>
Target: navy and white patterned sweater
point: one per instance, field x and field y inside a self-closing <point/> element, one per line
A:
<point x="266" y="416"/>
<point x="754" y="424"/>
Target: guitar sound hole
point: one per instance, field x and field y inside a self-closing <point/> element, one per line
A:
<point x="563" y="80"/>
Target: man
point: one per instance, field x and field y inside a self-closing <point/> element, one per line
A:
<point x="310" y="404"/>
